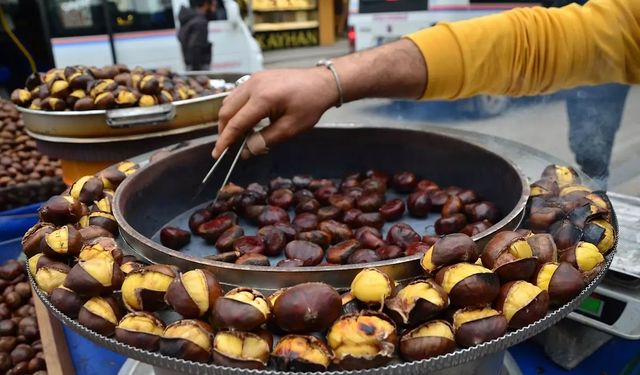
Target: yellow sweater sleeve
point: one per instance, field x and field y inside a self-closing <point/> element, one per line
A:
<point x="533" y="50"/>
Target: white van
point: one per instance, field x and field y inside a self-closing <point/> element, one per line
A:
<point x="374" y="22"/>
<point x="135" y="32"/>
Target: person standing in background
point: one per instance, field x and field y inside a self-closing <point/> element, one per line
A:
<point x="194" y="31"/>
<point x="595" y="113"/>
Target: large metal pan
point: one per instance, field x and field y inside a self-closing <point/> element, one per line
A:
<point x="124" y="121"/>
<point x="161" y="191"/>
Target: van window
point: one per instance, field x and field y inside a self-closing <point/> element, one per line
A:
<point x="75" y="17"/>
<point x="136" y="15"/>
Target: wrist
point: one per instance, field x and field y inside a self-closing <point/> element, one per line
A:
<point x="332" y="79"/>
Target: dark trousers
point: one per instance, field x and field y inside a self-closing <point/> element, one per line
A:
<point x="594" y="118"/>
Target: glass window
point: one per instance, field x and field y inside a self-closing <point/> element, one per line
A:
<point x="135" y="15"/>
<point x="75" y="17"/>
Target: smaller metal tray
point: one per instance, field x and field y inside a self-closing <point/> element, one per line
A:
<point x="124" y="121"/>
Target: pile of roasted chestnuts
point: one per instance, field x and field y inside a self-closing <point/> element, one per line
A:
<point x="466" y="296"/>
<point x="26" y="176"/>
<point x="83" y="88"/>
<point x="20" y="345"/>
<point x="323" y="222"/>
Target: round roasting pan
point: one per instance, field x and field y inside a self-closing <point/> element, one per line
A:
<point x="153" y="196"/>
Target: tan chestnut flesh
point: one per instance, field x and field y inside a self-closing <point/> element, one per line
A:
<point x="307" y="307"/>
<point x="417" y="302"/>
<point x="300" y="353"/>
<point x="309" y="253"/>
<point x="141" y="330"/>
<point x="193" y="293"/>
<point x="187" y="339"/>
<point x="100" y="314"/>
<point x="174" y="238"/>
<point x="145" y="289"/>
<point x="522" y="303"/>
<point x="240" y="349"/>
<point x="62" y="242"/>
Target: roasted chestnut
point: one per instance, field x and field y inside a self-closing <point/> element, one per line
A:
<point x="475" y="325"/>
<point x="144" y="289"/>
<point x="188" y="339"/>
<point x="240" y="349"/>
<point x="468" y="284"/>
<point x="565" y="234"/>
<point x="417" y="302"/>
<point x="340" y="253"/>
<point x="288" y="230"/>
<point x="437" y="199"/>
<point x="301" y="181"/>
<point x="193" y="293"/>
<point x="560" y="280"/>
<point x="430" y="339"/>
<point x="389" y="252"/>
<point x="372" y="286"/>
<point x="305" y="221"/>
<point x="228" y="237"/>
<point x="363" y="256"/>
<point x="240" y="309"/>
<point x="370" y="202"/>
<point x="522" y="303"/>
<point x="282" y="198"/>
<point x="416" y="248"/>
<point x="300" y="353"/>
<point x="113" y="176"/>
<point x="212" y="229"/>
<point x="392" y="210"/>
<point x="253" y="259"/>
<point x="370" y="219"/>
<point x="338" y="231"/>
<point x="450" y="249"/>
<point x="174" y="238"/>
<point x="67" y="301"/>
<point x="419" y="204"/>
<point x="545" y="187"/>
<point x="87" y="189"/>
<point x="49" y="275"/>
<point x="404" y="182"/>
<point x="369" y="237"/>
<point x="600" y="233"/>
<point x="329" y="213"/>
<point x="249" y="245"/>
<point x="103" y="248"/>
<point x="287" y="263"/>
<point x="509" y="255"/>
<point x="543" y="247"/>
<point x="450" y="224"/>
<point x="61" y="210"/>
<point x="402" y="235"/>
<point x="94" y="277"/>
<point x="452" y="205"/>
<point x="103" y="220"/>
<point x="100" y="314"/>
<point x="482" y="211"/>
<point x="310" y="205"/>
<point x="342" y="202"/>
<point x="351" y="217"/>
<point x="274" y="240"/>
<point x="271" y="215"/>
<point x="309" y="253"/>
<point x="281" y="183"/>
<point x="474" y="228"/>
<point x="320" y="238"/>
<point x="362" y="340"/>
<point x="198" y="218"/>
<point x="563" y="175"/>
<point x="586" y="258"/>
<point x="427" y="185"/>
<point x="323" y="193"/>
<point x="33" y="237"/>
<point x="307" y="307"/>
<point x="141" y="330"/>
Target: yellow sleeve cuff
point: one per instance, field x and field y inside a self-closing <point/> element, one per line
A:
<point x="443" y="59"/>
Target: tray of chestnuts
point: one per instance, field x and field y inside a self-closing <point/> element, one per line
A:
<point x="115" y="101"/>
<point x="465" y="295"/>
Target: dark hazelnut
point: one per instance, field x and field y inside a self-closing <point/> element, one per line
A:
<point x="468" y="284"/>
<point x="450" y="224"/>
<point x="374" y="333"/>
<point x="417" y="302"/>
<point x="67" y="301"/>
<point x="145" y="289"/>
<point x="430" y="339"/>
<point x="228" y="237"/>
<point x="187" y="339"/>
<point x="193" y="293"/>
<point x="100" y="314"/>
<point x="404" y="182"/>
<point x="392" y="210"/>
<point x="329" y="213"/>
<point x="321" y="238"/>
<point x="419" y="204"/>
<point x="340" y="253"/>
<point x="274" y="240"/>
<point x="240" y="309"/>
<point x="141" y="330"/>
<point x="300" y="353"/>
<point x="522" y="303"/>
<point x="475" y="325"/>
<point x="309" y="253"/>
<point x="402" y="235"/>
<point x="305" y="221"/>
<point x="174" y="238"/>
<point x="450" y="249"/>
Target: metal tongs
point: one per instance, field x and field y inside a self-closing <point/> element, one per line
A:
<point x="221" y="183"/>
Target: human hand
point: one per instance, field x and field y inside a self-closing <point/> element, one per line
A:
<point x="292" y="99"/>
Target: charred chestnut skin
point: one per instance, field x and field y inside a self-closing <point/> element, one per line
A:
<point x="307" y="307"/>
<point x="309" y="253"/>
<point x="414" y="348"/>
<point x="419" y="204"/>
<point x="174" y="238"/>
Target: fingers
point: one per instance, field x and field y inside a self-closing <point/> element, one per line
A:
<point x="231" y="105"/>
<point x="280" y="130"/>
<point x="244" y="119"/>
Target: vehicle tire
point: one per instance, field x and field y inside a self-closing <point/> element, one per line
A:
<point x="490" y="105"/>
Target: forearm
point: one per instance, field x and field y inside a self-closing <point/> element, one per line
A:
<point x="394" y="70"/>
